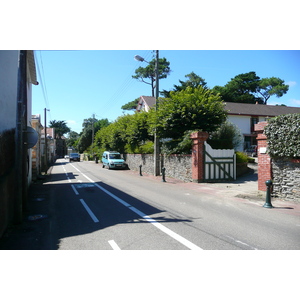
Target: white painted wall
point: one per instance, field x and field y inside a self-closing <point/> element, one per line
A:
<point x="242" y="122"/>
<point x="9" y="60"/>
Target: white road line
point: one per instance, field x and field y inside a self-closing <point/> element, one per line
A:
<point x="66" y="173"/>
<point x="114" y="245"/>
<point x="82" y="174"/>
<point x="89" y="211"/>
<point x="240" y="242"/>
<point x="74" y="189"/>
<point x="166" y="230"/>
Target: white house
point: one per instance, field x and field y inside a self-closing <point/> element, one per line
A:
<point x="145" y="103"/>
<point x="245" y="116"/>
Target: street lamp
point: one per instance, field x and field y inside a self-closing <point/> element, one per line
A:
<point x="156" y="141"/>
<point x="139" y="58"/>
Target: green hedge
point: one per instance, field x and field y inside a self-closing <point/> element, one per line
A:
<point x="283" y="134"/>
<point x="241" y="157"/>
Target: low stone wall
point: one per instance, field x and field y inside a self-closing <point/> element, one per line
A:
<point x="177" y="166"/>
<point x="135" y="160"/>
<point x="286" y="179"/>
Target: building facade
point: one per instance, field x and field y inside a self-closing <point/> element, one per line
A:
<point x="18" y="74"/>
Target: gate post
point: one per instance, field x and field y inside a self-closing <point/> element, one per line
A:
<point x="198" y="155"/>
<point x="264" y="160"/>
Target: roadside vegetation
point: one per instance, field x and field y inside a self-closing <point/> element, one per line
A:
<point x="283" y="133"/>
<point x="190" y="106"/>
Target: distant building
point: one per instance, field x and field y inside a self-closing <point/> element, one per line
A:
<point x="245" y="116"/>
<point x="145" y="103"/>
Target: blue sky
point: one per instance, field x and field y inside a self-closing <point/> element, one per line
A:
<point x="74" y="85"/>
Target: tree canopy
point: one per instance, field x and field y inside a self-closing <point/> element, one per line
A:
<point x="250" y="88"/>
<point x="190" y="109"/>
<point x="148" y="72"/>
<point x="129" y="133"/>
<point x="227" y="136"/>
<point x="271" y="86"/>
<point x="193" y="81"/>
<point x="60" y="127"/>
<point x="72" y="139"/>
<point x="85" y="139"/>
<point x="131" y="105"/>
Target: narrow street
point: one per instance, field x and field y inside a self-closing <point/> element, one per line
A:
<point x="87" y="207"/>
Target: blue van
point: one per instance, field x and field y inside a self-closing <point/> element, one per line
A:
<point x="113" y="160"/>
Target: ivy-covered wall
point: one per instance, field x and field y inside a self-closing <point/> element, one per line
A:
<point x="283" y="134"/>
<point x="283" y="146"/>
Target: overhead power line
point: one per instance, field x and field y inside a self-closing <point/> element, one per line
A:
<point x="127" y="83"/>
<point x="42" y="80"/>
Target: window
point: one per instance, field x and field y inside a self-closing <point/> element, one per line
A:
<point x="253" y="120"/>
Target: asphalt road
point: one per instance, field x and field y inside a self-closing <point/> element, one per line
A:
<point x="89" y="208"/>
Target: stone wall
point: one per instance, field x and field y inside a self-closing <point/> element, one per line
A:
<point x="286" y="178"/>
<point x="135" y="160"/>
<point x="285" y="173"/>
<point x="177" y="166"/>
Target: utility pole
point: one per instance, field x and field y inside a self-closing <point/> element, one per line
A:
<point x="46" y="147"/>
<point x="156" y="140"/>
<point x="93" y="135"/>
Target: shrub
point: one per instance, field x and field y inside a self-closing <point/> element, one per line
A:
<point x="228" y="136"/>
<point x="283" y="134"/>
<point x="241" y="157"/>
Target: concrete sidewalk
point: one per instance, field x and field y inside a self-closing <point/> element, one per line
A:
<point x="245" y="187"/>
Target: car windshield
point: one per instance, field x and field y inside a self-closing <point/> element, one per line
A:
<point x="115" y="156"/>
<point x="74" y="154"/>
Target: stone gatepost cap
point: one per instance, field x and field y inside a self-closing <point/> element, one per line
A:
<point x="202" y="135"/>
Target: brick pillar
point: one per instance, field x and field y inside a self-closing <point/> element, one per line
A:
<point x="264" y="160"/>
<point x="198" y="155"/>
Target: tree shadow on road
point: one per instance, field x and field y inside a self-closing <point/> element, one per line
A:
<point x="65" y="216"/>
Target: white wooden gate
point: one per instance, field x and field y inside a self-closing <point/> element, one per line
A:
<point x="219" y="164"/>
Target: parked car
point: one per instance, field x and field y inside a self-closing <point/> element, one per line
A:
<point x="74" y="157"/>
<point x="66" y="156"/>
<point x="113" y="160"/>
<point x="252" y="151"/>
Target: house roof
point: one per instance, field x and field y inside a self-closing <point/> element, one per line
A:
<point x="259" y="109"/>
<point x="242" y="109"/>
<point x="149" y="101"/>
<point x="32" y="69"/>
